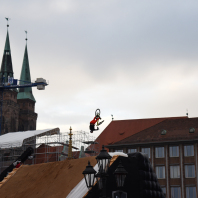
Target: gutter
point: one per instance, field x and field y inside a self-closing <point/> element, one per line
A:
<point x="143" y="143"/>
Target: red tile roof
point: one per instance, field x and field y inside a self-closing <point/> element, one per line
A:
<point x="120" y="129"/>
<point x="176" y="130"/>
<point x="45" y="153"/>
<point x="75" y="154"/>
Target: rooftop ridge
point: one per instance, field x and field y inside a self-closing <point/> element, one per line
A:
<point x="154" y="118"/>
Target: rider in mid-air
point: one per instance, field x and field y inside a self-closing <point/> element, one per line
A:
<point x="93" y="122"/>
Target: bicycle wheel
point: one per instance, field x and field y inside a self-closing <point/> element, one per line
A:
<point x="97" y="112"/>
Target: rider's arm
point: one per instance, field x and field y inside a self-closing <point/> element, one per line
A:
<point x="97" y="119"/>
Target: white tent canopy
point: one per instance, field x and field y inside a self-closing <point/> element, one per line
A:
<point x="15" y="139"/>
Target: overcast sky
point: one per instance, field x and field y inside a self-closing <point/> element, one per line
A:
<point x="130" y="58"/>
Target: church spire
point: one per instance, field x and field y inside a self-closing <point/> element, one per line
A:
<point x="25" y="93"/>
<point x="6" y="65"/>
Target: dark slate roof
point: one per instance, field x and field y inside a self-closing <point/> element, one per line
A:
<point x="6" y="65"/>
<point x="120" y="129"/>
<point x="176" y="130"/>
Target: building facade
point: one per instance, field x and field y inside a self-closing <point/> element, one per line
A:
<point x="17" y="106"/>
<point x="172" y="147"/>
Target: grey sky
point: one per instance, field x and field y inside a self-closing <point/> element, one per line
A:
<point x="132" y="59"/>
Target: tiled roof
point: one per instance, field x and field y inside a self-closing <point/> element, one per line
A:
<point x="176" y="130"/>
<point x="120" y="129"/>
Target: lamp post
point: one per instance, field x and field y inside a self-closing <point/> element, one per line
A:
<point x="120" y="175"/>
<point x="103" y="160"/>
<point x="99" y="181"/>
<point x="89" y="175"/>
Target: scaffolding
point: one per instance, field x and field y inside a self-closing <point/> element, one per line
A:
<point x="50" y="147"/>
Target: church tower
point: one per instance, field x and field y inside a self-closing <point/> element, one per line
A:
<point x="25" y="98"/>
<point x="17" y="109"/>
<point x="10" y="108"/>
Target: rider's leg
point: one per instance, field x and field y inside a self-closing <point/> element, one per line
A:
<point x="91" y="127"/>
<point x="100" y="123"/>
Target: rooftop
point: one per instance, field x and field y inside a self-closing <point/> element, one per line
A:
<point x="54" y="179"/>
<point x="15" y="139"/>
<point x="118" y="130"/>
<point x="175" y="130"/>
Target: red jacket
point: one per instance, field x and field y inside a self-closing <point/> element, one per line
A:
<point x="94" y="120"/>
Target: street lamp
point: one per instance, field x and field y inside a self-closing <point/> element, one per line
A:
<point x="103" y="160"/>
<point x="89" y="175"/>
<point x="120" y="175"/>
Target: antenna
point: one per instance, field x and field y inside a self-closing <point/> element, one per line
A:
<point x="7" y="21"/>
<point x="112" y="117"/>
<point x="187" y="112"/>
<point x="26" y="35"/>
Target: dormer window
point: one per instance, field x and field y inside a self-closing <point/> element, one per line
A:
<point x="163" y="132"/>
<point x="191" y="130"/>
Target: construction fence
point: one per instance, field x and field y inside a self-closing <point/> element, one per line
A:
<point x="50" y="148"/>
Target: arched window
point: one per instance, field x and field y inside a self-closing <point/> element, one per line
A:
<point x="6" y="128"/>
<point x="3" y="123"/>
<point x="13" y="124"/>
<point x="31" y="125"/>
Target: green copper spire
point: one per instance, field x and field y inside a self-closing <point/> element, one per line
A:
<point x="6" y="65"/>
<point x="7" y="44"/>
<point x="25" y="93"/>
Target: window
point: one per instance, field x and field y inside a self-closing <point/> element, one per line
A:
<point x="174" y="172"/>
<point x="160" y="172"/>
<point x="164" y="189"/>
<point x="146" y="151"/>
<point x="174" y="151"/>
<point x="159" y="152"/>
<point x="189" y="150"/>
<point x="175" y="192"/>
<point x="189" y="171"/>
<point x="119" y="150"/>
<point x="132" y="150"/>
<point x="191" y="192"/>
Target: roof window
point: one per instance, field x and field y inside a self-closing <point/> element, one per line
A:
<point x="163" y="132"/>
<point x="191" y="130"/>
